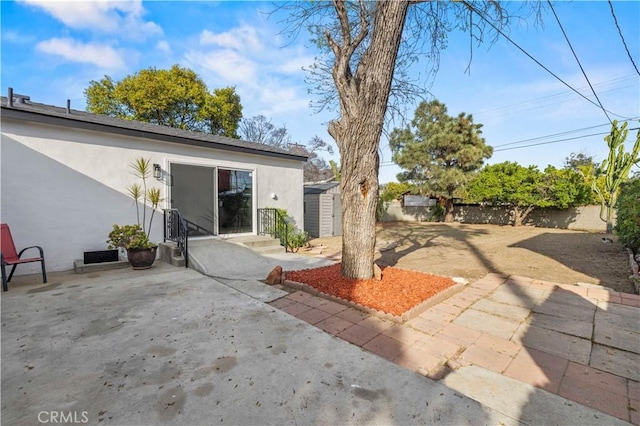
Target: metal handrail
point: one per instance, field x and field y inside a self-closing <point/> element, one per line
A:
<point x="195" y="227"/>
<point x="175" y="229"/>
<point x="272" y="222"/>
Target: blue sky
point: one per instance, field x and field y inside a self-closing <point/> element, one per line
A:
<point x="51" y="50"/>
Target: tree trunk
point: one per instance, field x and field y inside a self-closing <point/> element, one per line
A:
<point x="363" y="100"/>
<point x="520" y="215"/>
<point x="448" y="217"/>
<point x="610" y="219"/>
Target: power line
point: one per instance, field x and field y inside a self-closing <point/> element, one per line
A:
<point x="473" y="8"/>
<point x="621" y="37"/>
<point x="551" y="135"/>
<point x="557" y="141"/>
<point x="549" y="100"/>
<point x="578" y="60"/>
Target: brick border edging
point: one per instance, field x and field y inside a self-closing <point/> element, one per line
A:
<point x="410" y="314"/>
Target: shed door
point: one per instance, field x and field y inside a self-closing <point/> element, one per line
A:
<point x="337" y="215"/>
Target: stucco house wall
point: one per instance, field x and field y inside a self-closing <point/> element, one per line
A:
<point x="63" y="187"/>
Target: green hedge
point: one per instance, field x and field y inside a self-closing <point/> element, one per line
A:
<point x="628" y="222"/>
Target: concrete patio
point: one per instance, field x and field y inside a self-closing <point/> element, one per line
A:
<point x="173" y="346"/>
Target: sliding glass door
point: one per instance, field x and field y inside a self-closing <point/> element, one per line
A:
<point x="235" y="201"/>
<point x="193" y="193"/>
<point x="213" y="200"/>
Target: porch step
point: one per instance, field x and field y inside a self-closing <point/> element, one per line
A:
<point x="170" y="253"/>
<point x="261" y="244"/>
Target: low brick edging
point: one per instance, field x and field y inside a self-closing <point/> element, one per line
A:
<point x="406" y="316"/>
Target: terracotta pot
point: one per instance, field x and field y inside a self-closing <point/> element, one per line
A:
<point x="141" y="258"/>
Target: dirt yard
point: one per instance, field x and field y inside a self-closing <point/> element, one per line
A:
<point x="472" y="251"/>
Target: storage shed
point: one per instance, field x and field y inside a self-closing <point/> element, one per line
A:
<point x="322" y="209"/>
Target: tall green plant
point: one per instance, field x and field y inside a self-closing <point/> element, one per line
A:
<point x="142" y="168"/>
<point x="615" y="169"/>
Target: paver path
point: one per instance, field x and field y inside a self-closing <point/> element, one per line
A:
<point x="579" y="342"/>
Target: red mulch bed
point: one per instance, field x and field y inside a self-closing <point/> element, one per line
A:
<point x="397" y="292"/>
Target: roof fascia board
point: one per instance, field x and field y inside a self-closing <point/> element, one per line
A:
<point x="20" y="114"/>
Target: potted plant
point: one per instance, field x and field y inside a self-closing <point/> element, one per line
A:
<point x="141" y="252"/>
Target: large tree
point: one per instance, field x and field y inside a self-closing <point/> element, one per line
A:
<point x="371" y="46"/>
<point x="176" y="97"/>
<point x="439" y="153"/>
<point x="524" y="189"/>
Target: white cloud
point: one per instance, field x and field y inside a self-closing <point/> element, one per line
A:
<point x="296" y="64"/>
<point x="226" y="65"/>
<point x="163" y="46"/>
<point x="102" y="56"/>
<point x="240" y="38"/>
<point x="124" y="18"/>
<point x="268" y="77"/>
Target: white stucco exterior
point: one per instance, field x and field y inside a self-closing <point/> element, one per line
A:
<point x="63" y="188"/>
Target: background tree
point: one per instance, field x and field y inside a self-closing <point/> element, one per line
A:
<point x="578" y="160"/>
<point x="316" y="168"/>
<point x="370" y="46"/>
<point x="390" y="192"/>
<point x="524" y="189"/>
<point x="615" y="169"/>
<point x="259" y="129"/>
<point x="586" y="166"/>
<point x="336" y="170"/>
<point x="176" y="97"/>
<point x="440" y="153"/>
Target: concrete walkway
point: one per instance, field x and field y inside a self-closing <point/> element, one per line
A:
<point x="526" y="348"/>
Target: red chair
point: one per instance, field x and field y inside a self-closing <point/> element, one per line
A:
<point x="9" y="256"/>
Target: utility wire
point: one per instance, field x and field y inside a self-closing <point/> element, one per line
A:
<point x="552" y="135"/>
<point x="474" y="9"/>
<point x="578" y="61"/>
<point x="621" y="37"/>
<point x="552" y="99"/>
<point x="556" y="141"/>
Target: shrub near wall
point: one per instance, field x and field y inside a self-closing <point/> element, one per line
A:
<point x="628" y="221"/>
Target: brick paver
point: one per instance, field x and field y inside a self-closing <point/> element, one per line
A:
<point x="385" y="346"/>
<point x="313" y="316"/>
<point x="353" y="315"/>
<point x="487" y="323"/>
<point x="607" y="402"/>
<point x="594" y="378"/>
<point x="487" y="358"/>
<point x="334" y="325"/>
<point x="530" y="330"/>
<point x="438" y="347"/>
<point x="527" y="370"/>
<point x="295" y="308"/>
<point x="416" y="358"/>
<point x="459" y="334"/>
<point x="357" y="334"/>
